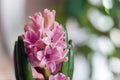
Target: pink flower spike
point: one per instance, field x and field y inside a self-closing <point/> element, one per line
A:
<point x="45" y="44"/>
<point x="59" y="76"/>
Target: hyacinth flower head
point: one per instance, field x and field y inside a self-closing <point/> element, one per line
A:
<point x="45" y="46"/>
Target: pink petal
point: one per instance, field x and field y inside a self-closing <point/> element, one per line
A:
<point x="40" y="55"/>
<point x="37" y="20"/>
<point x="29" y="27"/>
<point x="33" y="61"/>
<point x="61" y="43"/>
<point x="58" y="68"/>
<point x="43" y="63"/>
<point x="37" y="75"/>
<point x="31" y="37"/>
<point x="40" y="45"/>
<point x="51" y="66"/>
<point x="59" y="76"/>
<point x="49" y="33"/>
<point x="48" y="18"/>
<point x="46" y="40"/>
<point x="55" y="24"/>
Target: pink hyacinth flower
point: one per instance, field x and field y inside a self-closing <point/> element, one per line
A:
<point x="44" y="41"/>
<point x="59" y="76"/>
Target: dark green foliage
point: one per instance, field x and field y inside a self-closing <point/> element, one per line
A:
<point x="22" y="66"/>
<point x="74" y="8"/>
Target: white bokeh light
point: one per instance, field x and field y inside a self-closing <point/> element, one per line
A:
<point x="101" y="44"/>
<point x="80" y="68"/>
<point x="101" y="70"/>
<point x="108" y="4"/>
<point x="105" y="45"/>
<point x="95" y="2"/>
<point x="115" y="36"/>
<point x="101" y="22"/>
<point x="75" y="33"/>
<point x="115" y="65"/>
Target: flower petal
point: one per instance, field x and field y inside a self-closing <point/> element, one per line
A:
<point x="48" y="18"/>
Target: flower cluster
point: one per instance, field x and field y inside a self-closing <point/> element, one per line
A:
<point x="45" y="44"/>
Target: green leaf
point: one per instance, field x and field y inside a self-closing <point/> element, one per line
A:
<point x="66" y="34"/>
<point x="64" y="68"/>
<point x="16" y="65"/>
<point x="68" y="67"/>
<point x="70" y="60"/>
<point x="23" y="69"/>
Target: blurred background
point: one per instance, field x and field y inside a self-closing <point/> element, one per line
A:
<point x="93" y="25"/>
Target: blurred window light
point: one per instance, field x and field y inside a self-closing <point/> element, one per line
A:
<point x="108" y="4"/>
<point x="95" y="2"/>
<point x="115" y="65"/>
<point x="12" y="18"/>
<point x="115" y="36"/>
<point x="101" y="44"/>
<point x="101" y="22"/>
<point x="100" y="68"/>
